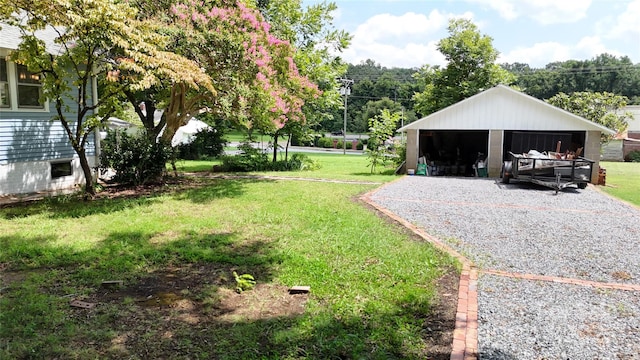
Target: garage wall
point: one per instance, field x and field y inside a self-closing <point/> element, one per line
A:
<point x="496" y="139"/>
<point x="412" y="149"/>
<point x="592" y="152"/>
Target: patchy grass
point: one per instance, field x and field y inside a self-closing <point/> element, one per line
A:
<point x="623" y="180"/>
<point x="373" y="286"/>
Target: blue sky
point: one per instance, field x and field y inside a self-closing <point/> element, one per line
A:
<point x="404" y="33"/>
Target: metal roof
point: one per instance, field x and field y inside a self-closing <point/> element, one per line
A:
<point x="503" y="108"/>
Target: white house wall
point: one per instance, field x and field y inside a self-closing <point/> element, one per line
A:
<point x="35" y="176"/>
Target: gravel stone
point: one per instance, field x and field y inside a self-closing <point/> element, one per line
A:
<point x="524" y="228"/>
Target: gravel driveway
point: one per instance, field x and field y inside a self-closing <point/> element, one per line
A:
<point x="579" y="236"/>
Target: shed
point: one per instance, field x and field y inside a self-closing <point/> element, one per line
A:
<point x="492" y="123"/>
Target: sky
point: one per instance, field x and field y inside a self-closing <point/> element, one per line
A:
<point x="404" y="33"/>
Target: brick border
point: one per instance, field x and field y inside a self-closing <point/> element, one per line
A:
<point x="465" y="333"/>
<point x="563" y="280"/>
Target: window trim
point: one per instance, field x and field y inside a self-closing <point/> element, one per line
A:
<point x="12" y="77"/>
<point x="27" y="84"/>
<point x="5" y="83"/>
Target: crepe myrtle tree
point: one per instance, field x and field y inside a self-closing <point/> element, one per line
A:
<point x="93" y="39"/>
<point x="257" y="80"/>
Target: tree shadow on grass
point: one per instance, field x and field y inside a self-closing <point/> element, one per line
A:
<point x="69" y="206"/>
<point x="321" y="335"/>
<point x="217" y="189"/>
<point x="193" y="273"/>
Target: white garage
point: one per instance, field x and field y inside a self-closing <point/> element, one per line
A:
<point x="492" y="123"/>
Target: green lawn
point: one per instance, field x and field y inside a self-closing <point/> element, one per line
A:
<point x="372" y="285"/>
<point x="335" y="166"/>
<point x="623" y="180"/>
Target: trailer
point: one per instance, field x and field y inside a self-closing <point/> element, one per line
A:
<point x="550" y="170"/>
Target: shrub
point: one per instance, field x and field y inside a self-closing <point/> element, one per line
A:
<point x="401" y="152"/>
<point x="360" y="145"/>
<point x="307" y="139"/>
<point x="325" y="142"/>
<point x="249" y="159"/>
<point x="136" y="159"/>
<point x="207" y="143"/>
<point x="339" y="144"/>
<point x="633" y="156"/>
<point x="252" y="159"/>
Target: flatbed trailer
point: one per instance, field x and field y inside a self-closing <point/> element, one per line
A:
<point x="553" y="173"/>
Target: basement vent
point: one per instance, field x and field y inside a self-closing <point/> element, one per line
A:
<point x="61" y="169"/>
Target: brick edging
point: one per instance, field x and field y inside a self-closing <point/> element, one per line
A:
<point x="563" y="280"/>
<point x="465" y="333"/>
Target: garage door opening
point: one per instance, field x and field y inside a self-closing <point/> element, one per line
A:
<point x="520" y="142"/>
<point x="453" y="152"/>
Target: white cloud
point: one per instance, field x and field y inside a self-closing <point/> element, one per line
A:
<point x="383" y="26"/>
<point x="626" y="25"/>
<point x="541" y="54"/>
<point x="544" y="12"/>
<point x="408" y="40"/>
<point x="537" y="55"/>
<point x="396" y="55"/>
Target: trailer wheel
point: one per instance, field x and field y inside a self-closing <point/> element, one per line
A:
<point x="505" y="173"/>
<point x="582" y="185"/>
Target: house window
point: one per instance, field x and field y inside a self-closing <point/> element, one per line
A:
<point x="20" y="89"/>
<point x="29" y="88"/>
<point x="61" y="169"/>
<point x="4" y="84"/>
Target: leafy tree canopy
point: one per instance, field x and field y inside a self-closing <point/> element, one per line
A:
<point x="601" y="108"/>
<point x="471" y="68"/>
<point x="603" y="73"/>
<point x="93" y="39"/>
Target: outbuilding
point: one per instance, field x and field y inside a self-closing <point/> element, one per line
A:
<point x="489" y="124"/>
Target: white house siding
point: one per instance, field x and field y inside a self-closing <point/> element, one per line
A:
<point x="29" y="142"/>
<point x="35" y="176"/>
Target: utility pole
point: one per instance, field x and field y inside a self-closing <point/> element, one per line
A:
<point x="345" y="90"/>
<point x="395" y="99"/>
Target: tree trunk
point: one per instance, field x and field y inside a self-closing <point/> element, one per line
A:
<point x="275" y="146"/>
<point x="286" y="149"/>
<point x="90" y="191"/>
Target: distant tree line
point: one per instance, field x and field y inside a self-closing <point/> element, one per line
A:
<point x="603" y="73"/>
<point x="377" y="87"/>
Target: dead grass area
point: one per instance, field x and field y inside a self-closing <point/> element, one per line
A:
<point x="199" y="293"/>
<point x="440" y="323"/>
